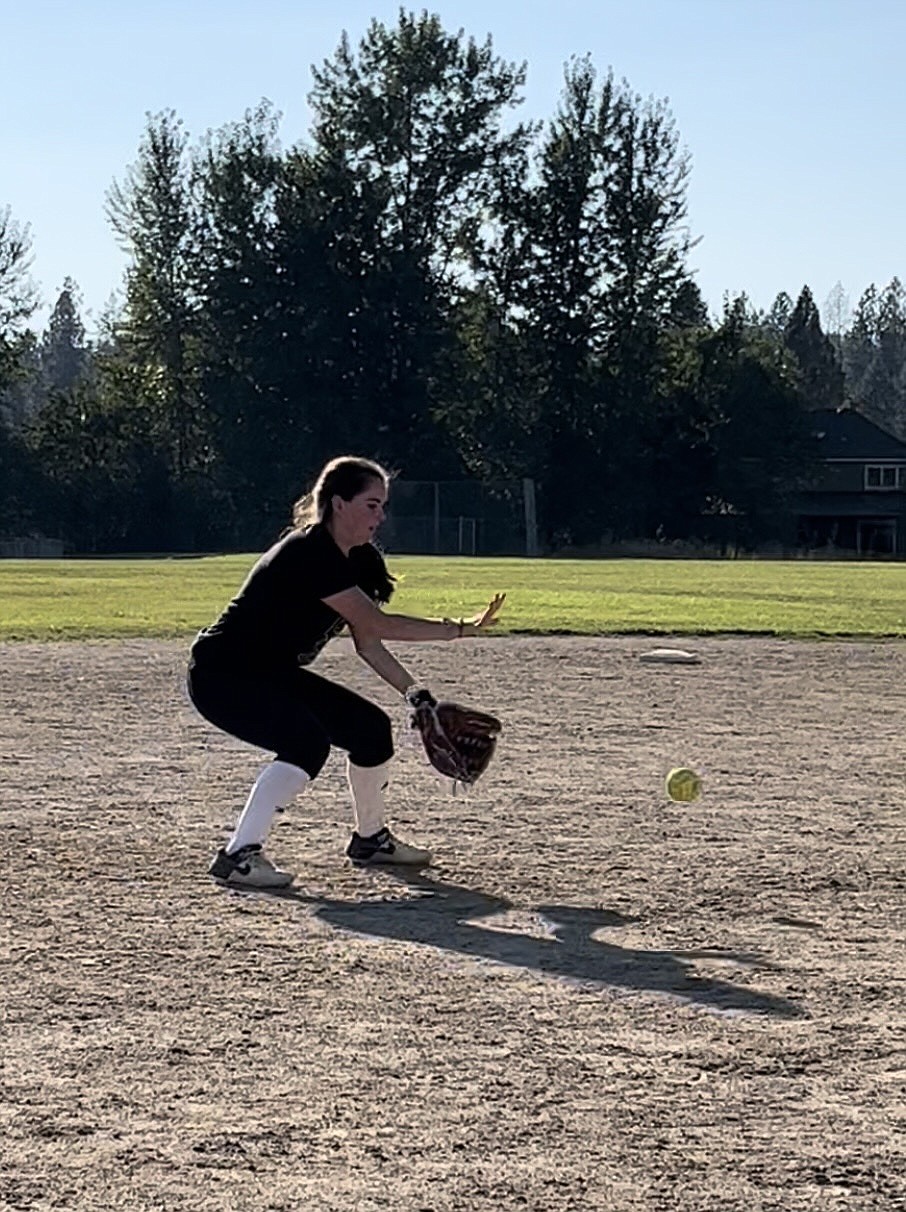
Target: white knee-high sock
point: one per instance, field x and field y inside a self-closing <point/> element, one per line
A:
<point x="367" y="785"/>
<point x="274" y="788"/>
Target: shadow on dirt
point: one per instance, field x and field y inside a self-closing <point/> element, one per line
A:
<point x="461" y="920"/>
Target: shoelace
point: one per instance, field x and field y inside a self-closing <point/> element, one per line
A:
<point x="243" y="859"/>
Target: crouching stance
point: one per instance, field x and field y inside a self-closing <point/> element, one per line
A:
<point x="248" y="672"/>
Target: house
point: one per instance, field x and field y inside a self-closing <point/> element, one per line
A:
<point x="857" y="502"/>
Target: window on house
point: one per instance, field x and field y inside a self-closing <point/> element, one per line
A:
<point x="879" y="477"/>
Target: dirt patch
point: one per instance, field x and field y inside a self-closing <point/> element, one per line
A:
<point x="593" y="1000"/>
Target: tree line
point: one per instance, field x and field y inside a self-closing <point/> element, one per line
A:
<point x="435" y="284"/>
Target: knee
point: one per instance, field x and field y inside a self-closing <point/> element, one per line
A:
<point x="308" y="752"/>
<point x="374" y="743"/>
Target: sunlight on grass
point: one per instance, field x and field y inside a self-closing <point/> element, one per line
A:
<point x="91" y="599"/>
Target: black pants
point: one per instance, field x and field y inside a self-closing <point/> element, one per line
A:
<point x="295" y="714"/>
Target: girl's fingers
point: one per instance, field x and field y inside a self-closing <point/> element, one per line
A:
<point x="489" y="615"/>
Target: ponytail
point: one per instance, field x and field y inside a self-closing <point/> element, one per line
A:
<point x="371" y="573"/>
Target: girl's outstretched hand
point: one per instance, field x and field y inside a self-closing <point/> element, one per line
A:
<point x="486" y="618"/>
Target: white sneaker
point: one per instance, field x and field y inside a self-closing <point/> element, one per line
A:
<point x="383" y="847"/>
<point x="248" y="868"/>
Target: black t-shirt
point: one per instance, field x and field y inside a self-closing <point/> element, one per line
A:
<point x="277" y="619"/>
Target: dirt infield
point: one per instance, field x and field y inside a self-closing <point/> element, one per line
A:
<point x="593" y="999"/>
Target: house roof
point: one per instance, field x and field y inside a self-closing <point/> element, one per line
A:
<point x="845" y="434"/>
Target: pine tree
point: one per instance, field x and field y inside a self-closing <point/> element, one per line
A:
<point x="153" y="214"/>
<point x="246" y="328"/>
<point x="819" y="368"/>
<point x="18" y="293"/>
<point x="874" y="353"/>
<point x="64" y="353"/>
<point x="758" y="432"/>
<point x="412" y="124"/>
<point x="879" y="389"/>
<point x="777" y="319"/>
<point x="604" y="277"/>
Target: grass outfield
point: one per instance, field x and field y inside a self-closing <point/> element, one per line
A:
<point x="94" y="599"/>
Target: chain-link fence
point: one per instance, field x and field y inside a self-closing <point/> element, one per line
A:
<point x="30" y="548"/>
<point x="461" y="517"/>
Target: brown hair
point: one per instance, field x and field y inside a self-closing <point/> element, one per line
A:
<point x="344" y="477"/>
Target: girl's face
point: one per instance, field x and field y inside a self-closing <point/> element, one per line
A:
<point x="358" y="519"/>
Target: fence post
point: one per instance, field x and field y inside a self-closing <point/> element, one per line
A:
<point x="531" y="517"/>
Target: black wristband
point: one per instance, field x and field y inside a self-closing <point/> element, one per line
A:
<point x="416" y="696"/>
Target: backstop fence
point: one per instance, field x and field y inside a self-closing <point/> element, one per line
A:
<point x="30" y="548"/>
<point x="461" y="517"/>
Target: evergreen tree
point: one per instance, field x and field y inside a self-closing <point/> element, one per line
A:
<point x="758" y="429"/>
<point x="888" y="398"/>
<point x="563" y="289"/>
<point x="251" y="404"/>
<point x="778" y="317"/>
<point x="649" y="242"/>
<point x="24" y="392"/>
<point x="340" y="277"/>
<point x="18" y="293"/>
<point x="821" y="372"/>
<point x="153" y="213"/>
<point x="18" y="367"/>
<point x="687" y="308"/>
<point x="605" y="280"/>
<point x="874" y="350"/>
<point x="860" y="344"/>
<point x="865" y="318"/>
<point x="19" y="481"/>
<point x="414" y="120"/>
<point x="64" y="353"/>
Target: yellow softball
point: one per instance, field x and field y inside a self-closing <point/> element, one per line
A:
<point x="683" y="785"/>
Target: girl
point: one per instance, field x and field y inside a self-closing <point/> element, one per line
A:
<point x="247" y="672"/>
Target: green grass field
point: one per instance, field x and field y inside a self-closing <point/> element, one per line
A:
<point x="94" y="599"/>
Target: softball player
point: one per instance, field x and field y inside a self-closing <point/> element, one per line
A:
<point x="248" y="672"/>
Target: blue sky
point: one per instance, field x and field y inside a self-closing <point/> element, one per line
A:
<point x="794" y="112"/>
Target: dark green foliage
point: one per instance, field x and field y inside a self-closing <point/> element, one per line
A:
<point x="152" y="212"/>
<point x="20" y="484"/>
<point x="18" y="297"/>
<point x="409" y="131"/>
<point x="64" y="354"/>
<point x="733" y="436"/>
<point x="248" y="321"/>
<point x="604" y="282"/>
<point x="820" y="371"/>
<point x="874" y="355"/>
<point x="760" y="436"/>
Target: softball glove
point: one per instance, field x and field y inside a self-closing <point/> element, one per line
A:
<point x="459" y="741"/>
